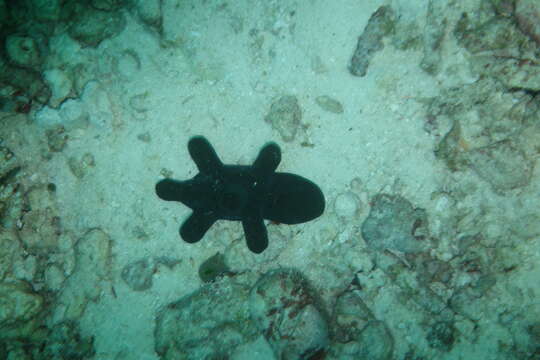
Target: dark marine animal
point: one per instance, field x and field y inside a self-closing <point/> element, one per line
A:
<point x="241" y="193"/>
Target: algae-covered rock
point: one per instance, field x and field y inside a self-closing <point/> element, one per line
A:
<point x="138" y="274"/>
<point x="57" y="138"/>
<point x="501" y="49"/>
<point x="23" y="51"/>
<point x="60" y="84"/>
<point x="434" y="32"/>
<point x="346" y="205"/>
<point x="92" y="272"/>
<point x="81" y="166"/>
<point x="329" y="104"/>
<point x="442" y="335"/>
<point x="528" y="17"/>
<point x="107" y="5"/>
<point x="3" y="14"/>
<point x="380" y="24"/>
<point x="285" y="115"/>
<point x="19" y="306"/>
<point x="65" y="341"/>
<point x="493" y="132"/>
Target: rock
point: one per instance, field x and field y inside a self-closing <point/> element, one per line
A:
<point x="149" y="12"/>
<point x="503" y="165"/>
<point x="57" y="138"/>
<point x="65" y="341"/>
<point x="287" y="312"/>
<point x="358" y="334"/>
<point x="329" y="104"/>
<point x="441" y="335"/>
<point x="127" y="64"/>
<point x="107" y="5"/>
<point x="351" y="315"/>
<point x="492" y="132"/>
<point x="380" y="24"/>
<point x="60" y="84"/>
<point x="41" y="226"/>
<point x="212" y="268"/>
<point x="500" y="49"/>
<point x="28" y="81"/>
<point x="346" y="205"/>
<point x="434" y="31"/>
<point x="528" y="16"/>
<point x="23" y="51"/>
<point x="19" y="307"/>
<point x="376" y="342"/>
<point x="54" y="277"/>
<point x="138" y="275"/>
<point x="93" y="251"/>
<point x="80" y="167"/>
<point x="92" y="272"/>
<point x="394" y="224"/>
<point x="90" y="26"/>
<point x="9" y="252"/>
<point x="208" y="324"/>
<point x="140" y="103"/>
<point x="11" y="204"/>
<point x="3" y="14"/>
<point x="46" y="10"/>
<point x="285" y="115"/>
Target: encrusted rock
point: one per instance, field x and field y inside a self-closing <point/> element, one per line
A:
<point x="287" y="312"/>
<point x="393" y="223"/>
<point x="149" y="12"/>
<point x="346" y="205"/>
<point x="208" y="324"/>
<point x="90" y="26"/>
<point x="285" y="115"/>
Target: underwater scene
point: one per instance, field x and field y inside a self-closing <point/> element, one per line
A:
<point x="269" y="180"/>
